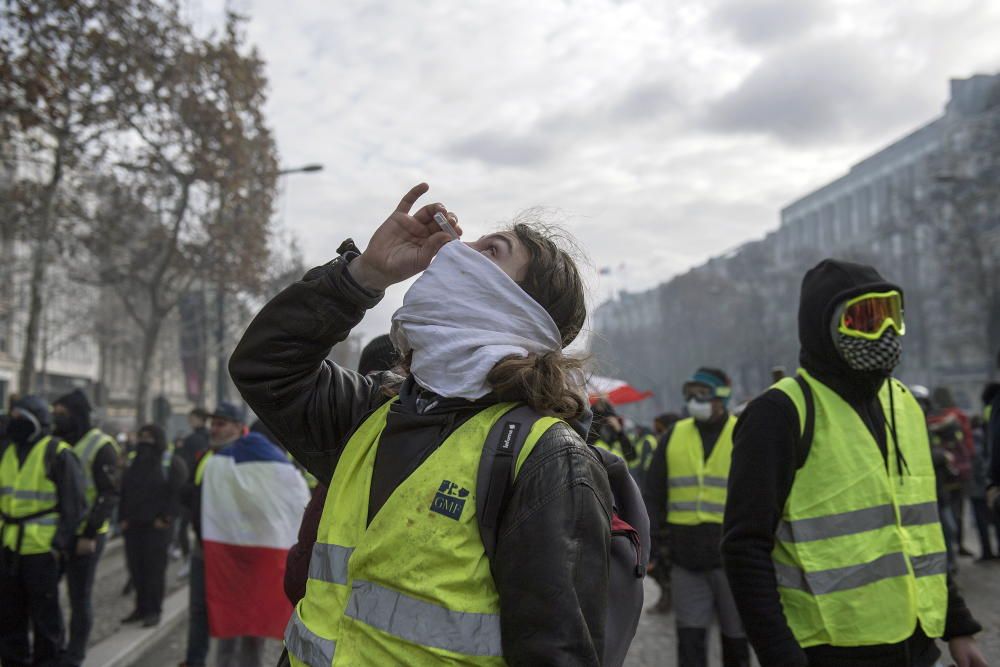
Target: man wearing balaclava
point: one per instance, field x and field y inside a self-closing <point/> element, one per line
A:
<point x="41" y="505"/>
<point x="98" y="455"/>
<point x="685" y="493"/>
<point x="832" y="542"/>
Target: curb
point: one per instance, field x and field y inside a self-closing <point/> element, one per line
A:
<point x="128" y="645"/>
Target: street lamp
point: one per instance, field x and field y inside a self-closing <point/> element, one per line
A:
<point x="305" y="169"/>
<point x="222" y="373"/>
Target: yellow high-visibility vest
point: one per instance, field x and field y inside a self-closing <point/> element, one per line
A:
<point x="696" y="487"/>
<point x="859" y="553"/>
<point x="25" y="490"/>
<point x="86" y="450"/>
<point x="414" y="587"/>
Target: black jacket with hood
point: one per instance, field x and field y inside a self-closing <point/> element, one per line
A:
<point x="151" y="490"/>
<point x="551" y="562"/>
<point x="105" y="467"/>
<point x="766" y="456"/>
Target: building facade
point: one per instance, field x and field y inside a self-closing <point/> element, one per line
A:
<point x="924" y="211"/>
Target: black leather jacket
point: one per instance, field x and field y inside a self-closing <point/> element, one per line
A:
<point x="551" y="563"/>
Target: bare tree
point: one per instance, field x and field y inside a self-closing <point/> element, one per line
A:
<point x="190" y="197"/>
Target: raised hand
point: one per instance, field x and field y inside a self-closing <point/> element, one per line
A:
<point x="403" y="245"/>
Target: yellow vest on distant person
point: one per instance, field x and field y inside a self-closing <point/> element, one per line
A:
<point x="414" y="587"/>
<point x="859" y="553"/>
<point x="696" y="487"/>
<point x="86" y="450"/>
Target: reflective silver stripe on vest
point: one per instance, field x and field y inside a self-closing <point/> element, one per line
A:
<point x="693" y="506"/>
<point x="683" y="481"/>
<point x="4" y="490"/>
<point x="930" y="564"/>
<point x="841" y="578"/>
<point x="87" y="459"/>
<point x="21" y="494"/>
<point x="424" y="623"/>
<point x="919" y="514"/>
<point x="855" y="521"/>
<point x="306" y="645"/>
<point x="716" y="481"/>
<point x="329" y="563"/>
<point x="44" y="521"/>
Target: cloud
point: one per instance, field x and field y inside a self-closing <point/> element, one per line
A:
<point x="766" y="22"/>
<point x="817" y="92"/>
<point x="495" y="148"/>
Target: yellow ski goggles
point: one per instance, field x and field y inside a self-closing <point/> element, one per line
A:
<point x="869" y="315"/>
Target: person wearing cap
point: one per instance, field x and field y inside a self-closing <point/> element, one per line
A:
<point x="685" y="495"/>
<point x="98" y="454"/>
<point x="41" y="505"/>
<point x="832" y="542"/>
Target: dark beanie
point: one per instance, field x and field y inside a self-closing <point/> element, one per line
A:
<point x="378" y="355"/>
<point x="76" y="403"/>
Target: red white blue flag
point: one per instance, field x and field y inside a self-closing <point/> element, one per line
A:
<point x="252" y="503"/>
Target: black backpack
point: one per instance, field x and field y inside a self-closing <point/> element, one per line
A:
<point x="630" y="540"/>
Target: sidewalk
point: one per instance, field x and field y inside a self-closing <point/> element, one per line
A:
<point x="128" y="645"/>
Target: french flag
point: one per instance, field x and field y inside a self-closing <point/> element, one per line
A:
<point x="253" y="498"/>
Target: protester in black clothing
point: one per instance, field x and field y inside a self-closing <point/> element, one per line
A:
<point x="991" y="401"/>
<point x="768" y="460"/>
<point x="150" y="503"/>
<point x="29" y="575"/>
<point x="194" y="445"/>
<point x="98" y="454"/>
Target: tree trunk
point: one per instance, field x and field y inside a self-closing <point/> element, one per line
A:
<point x="150" y="336"/>
<point x="26" y="378"/>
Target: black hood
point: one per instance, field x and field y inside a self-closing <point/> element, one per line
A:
<point x="79" y="409"/>
<point x="826" y="286"/>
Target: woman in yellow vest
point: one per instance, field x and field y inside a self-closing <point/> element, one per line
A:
<point x="833" y="545"/>
<point x="41" y="505"/>
<point x="685" y="493"/>
<point x="399" y="574"/>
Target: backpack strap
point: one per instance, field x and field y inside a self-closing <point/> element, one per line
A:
<point x="809" y="426"/>
<point x="496" y="470"/>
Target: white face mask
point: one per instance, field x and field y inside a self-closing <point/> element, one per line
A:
<point x="701" y="412"/>
<point x="462" y="316"/>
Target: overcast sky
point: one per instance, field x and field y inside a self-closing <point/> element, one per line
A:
<point x="660" y="133"/>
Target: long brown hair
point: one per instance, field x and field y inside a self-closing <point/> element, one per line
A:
<point x="551" y="383"/>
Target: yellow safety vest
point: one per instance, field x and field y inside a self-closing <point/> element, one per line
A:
<point x="86" y="450"/>
<point x="697" y="488"/>
<point x="859" y="553"/>
<point x="199" y="469"/>
<point x="414" y="587"/>
<point x="646" y="450"/>
<point x="616" y="449"/>
<point x="26" y="490"/>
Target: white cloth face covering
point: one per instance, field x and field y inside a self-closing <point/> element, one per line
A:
<point x="462" y="316"/>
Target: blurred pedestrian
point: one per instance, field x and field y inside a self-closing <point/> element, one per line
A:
<point x="484" y="324"/>
<point x="832" y="540"/>
<point x="98" y="454"/>
<point x="150" y="504"/>
<point x="377" y="356"/>
<point x="607" y="432"/>
<point x="984" y="518"/>
<point x="194" y="445"/>
<point x="952" y="425"/>
<point x="991" y="416"/>
<point x="685" y="496"/>
<point x="41" y="505"/>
